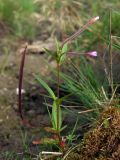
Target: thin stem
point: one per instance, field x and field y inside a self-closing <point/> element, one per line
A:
<point x="58" y="94"/>
<point x="58" y="80"/>
<point x="20" y="83"/>
<point x="76" y="34"/>
<point x="110" y="51"/>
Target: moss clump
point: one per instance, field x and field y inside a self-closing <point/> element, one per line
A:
<point x="103" y="142"/>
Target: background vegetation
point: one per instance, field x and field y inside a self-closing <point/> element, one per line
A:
<point x="83" y="85"/>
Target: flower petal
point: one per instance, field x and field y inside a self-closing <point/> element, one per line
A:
<point x="92" y="54"/>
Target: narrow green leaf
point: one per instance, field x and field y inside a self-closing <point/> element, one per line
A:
<point x="62" y="58"/>
<point x="63" y="128"/>
<point x="65" y="48"/>
<point x="48" y="51"/>
<point x="45" y="85"/>
<point x="57" y="45"/>
<point x="54" y="115"/>
<point x="56" y="107"/>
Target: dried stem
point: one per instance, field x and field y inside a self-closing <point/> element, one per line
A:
<point x="110" y="51"/>
<point x="20" y="82"/>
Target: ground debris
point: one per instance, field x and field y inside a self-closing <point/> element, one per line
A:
<point x="38" y="47"/>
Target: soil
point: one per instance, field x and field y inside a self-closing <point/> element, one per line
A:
<point x="15" y="136"/>
<point x="12" y="131"/>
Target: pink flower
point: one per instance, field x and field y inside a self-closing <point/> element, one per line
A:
<point x="93" y="20"/>
<point x="92" y="54"/>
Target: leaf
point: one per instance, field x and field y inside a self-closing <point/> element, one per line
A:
<point x="65" y="48"/>
<point x="50" y="53"/>
<point x="63" y="53"/>
<point x="45" y="85"/>
<point x="48" y="111"/>
<point x="47" y="51"/>
<point x="65" y="97"/>
<point x="58" y="101"/>
<point x="54" y="115"/>
<point x="57" y="45"/>
<point x="62" y="58"/>
<point x="63" y="128"/>
<point x="45" y="141"/>
<point x="56" y="109"/>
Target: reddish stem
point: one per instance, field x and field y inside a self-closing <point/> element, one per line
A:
<point x="20" y="82"/>
<point x="76" y="34"/>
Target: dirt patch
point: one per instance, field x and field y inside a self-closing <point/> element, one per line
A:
<point x="13" y="134"/>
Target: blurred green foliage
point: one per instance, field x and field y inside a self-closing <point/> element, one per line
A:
<point x="18" y="16"/>
<point x="65" y="16"/>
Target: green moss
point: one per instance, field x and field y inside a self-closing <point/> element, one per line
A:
<point x="103" y="142"/>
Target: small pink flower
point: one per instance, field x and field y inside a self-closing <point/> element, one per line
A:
<point x="92" y="54"/>
<point x="93" y="20"/>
